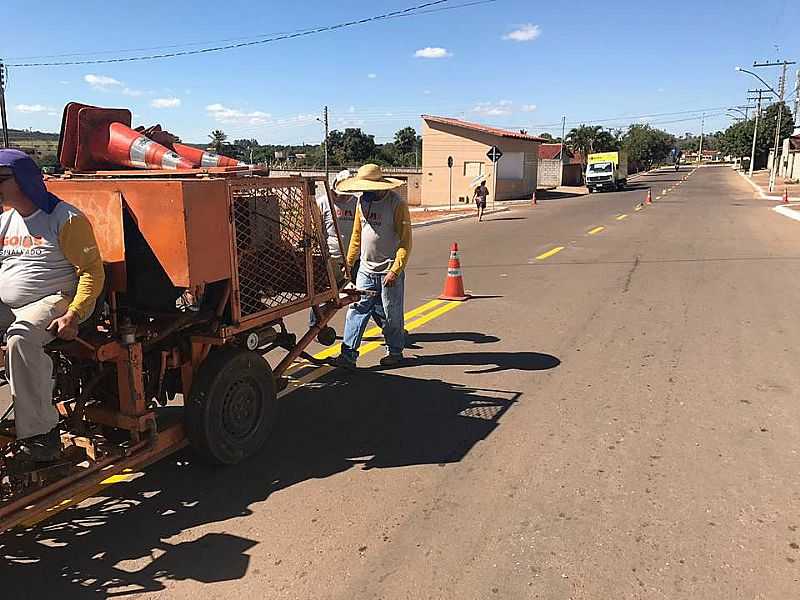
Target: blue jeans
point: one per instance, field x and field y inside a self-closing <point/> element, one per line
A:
<point x="387" y="306"/>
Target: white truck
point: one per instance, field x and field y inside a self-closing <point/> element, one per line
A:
<point x="606" y="171"/>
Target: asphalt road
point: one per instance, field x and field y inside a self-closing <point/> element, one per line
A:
<point x="613" y="421"/>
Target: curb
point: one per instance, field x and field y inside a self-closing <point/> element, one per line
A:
<point x="787" y="211"/>
<point x="457" y="218"/>
<point x="758" y="189"/>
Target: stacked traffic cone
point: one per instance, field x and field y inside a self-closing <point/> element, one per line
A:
<point x="129" y="148"/>
<point x="649" y="199"/>
<point x="786" y="195"/>
<point x="206" y="159"/>
<point x="454" y="284"/>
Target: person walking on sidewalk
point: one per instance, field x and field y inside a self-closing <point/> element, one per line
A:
<point x="51" y="275"/>
<point x="382" y="241"/>
<point x="479" y="196"/>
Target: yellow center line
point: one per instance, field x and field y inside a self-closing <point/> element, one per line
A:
<point x="550" y="253"/>
<point x="638" y="208"/>
<point x="619" y="218"/>
<point x="658" y="197"/>
<point x="596" y="230"/>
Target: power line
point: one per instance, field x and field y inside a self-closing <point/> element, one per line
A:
<point x="405" y="12"/>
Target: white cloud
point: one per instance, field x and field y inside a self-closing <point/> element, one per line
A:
<point x="528" y="107"/>
<point x="166" y="103"/>
<point x="102" y="82"/>
<point x="372" y="75"/>
<point x="429" y="52"/>
<point x="130" y="92"/>
<point x="525" y="33"/>
<point x="493" y="109"/>
<point x="32" y="108"/>
<point x="224" y="114"/>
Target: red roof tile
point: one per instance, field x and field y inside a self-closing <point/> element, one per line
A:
<point x="551" y="151"/>
<point x="506" y="133"/>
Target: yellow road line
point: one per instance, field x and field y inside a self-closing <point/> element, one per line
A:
<point x="550" y="253"/>
<point x="658" y="197"/>
<point x="640" y="207"/>
<point x="619" y="218"/>
<point x="596" y="230"/>
<point x="336" y="349"/>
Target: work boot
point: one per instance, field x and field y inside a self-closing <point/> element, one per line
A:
<point x="391" y="360"/>
<point x="45" y="447"/>
<point x="343" y="362"/>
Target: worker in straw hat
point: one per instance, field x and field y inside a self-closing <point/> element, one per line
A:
<point x="381" y="241"/>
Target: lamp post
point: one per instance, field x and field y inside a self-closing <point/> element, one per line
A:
<point x="774" y="170"/>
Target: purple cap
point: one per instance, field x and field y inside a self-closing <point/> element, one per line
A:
<point x="29" y="178"/>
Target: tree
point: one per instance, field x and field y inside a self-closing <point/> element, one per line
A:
<point x="737" y="140"/>
<point x="588" y="139"/>
<point x="547" y="136"/>
<point x="406" y="141"/>
<point x="218" y="138"/>
<point x="646" y="145"/>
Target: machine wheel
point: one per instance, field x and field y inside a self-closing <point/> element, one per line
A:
<point x="232" y="405"/>
<point x="327" y="336"/>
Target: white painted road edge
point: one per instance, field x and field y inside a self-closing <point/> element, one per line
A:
<point x="758" y="189"/>
<point x="787" y="211"/>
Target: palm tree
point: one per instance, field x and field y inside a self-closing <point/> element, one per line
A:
<point x="218" y="138"/>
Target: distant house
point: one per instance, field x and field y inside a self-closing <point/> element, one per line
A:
<point x="553" y="152"/>
<point x="552" y="172"/>
<point x="467" y="144"/>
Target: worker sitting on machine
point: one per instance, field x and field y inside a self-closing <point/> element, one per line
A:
<point x="51" y="275"/>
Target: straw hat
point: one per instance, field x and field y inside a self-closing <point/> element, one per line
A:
<point x="369" y="179"/>
<point x="340" y="177"/>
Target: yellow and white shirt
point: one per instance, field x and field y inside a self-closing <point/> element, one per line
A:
<point x="45" y="254"/>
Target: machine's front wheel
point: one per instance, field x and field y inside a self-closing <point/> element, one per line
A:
<point x="232" y="405"/>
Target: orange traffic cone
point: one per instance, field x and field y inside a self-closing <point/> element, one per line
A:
<point x="533" y="199"/>
<point x="649" y="199"/>
<point x="206" y="159"/>
<point x="131" y="149"/>
<point x="454" y="284"/>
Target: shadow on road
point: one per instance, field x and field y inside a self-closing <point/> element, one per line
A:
<point x="491" y="362"/>
<point x="491" y="219"/>
<point x="120" y="544"/>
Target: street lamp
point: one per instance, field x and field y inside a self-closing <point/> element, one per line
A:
<point x="774" y="171"/>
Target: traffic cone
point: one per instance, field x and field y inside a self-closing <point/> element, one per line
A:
<point x="533" y="199"/>
<point x="206" y="159"/>
<point x="649" y="199"/>
<point x="131" y="149"/>
<point x="786" y="195"/>
<point x="454" y="284"/>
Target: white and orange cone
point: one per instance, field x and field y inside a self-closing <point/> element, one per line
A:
<point x="786" y="195"/>
<point x="533" y="199"/>
<point x="129" y="148"/>
<point x="454" y="284"/>
<point x="206" y="159"/>
<point x="649" y="199"/>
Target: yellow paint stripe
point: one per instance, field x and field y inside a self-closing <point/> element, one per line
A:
<point x="550" y="253"/>
<point x="336" y="349"/>
<point x="596" y="230"/>
<point x="658" y="197"/>
<point x="619" y="218"/>
<point x="638" y="208"/>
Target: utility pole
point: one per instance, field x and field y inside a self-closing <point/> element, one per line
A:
<point x="773" y="174"/>
<point x="3" y="120"/>
<point x="755" y="128"/>
<point x="561" y="151"/>
<point x="797" y="102"/>
<point x="702" y="127"/>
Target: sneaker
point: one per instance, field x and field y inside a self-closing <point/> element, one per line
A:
<point x="391" y="360"/>
<point x="45" y="447"/>
<point x="343" y="362"/>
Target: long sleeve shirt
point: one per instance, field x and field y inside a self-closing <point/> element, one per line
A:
<point x="381" y="234"/>
<point x="45" y="254"/>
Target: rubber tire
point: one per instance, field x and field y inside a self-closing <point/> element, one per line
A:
<point x="590" y="190"/>
<point x="327" y="336"/>
<point x="219" y="375"/>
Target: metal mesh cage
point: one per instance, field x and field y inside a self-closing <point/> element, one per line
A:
<point x="275" y="238"/>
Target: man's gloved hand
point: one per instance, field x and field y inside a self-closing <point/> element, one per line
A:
<point x="66" y="327"/>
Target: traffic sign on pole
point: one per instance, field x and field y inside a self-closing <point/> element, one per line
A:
<point x="494" y="154"/>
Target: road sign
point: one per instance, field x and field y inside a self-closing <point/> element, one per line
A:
<point x="450" y="161"/>
<point x="494" y="154"/>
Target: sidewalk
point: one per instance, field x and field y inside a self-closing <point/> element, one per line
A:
<point x="760" y="183"/>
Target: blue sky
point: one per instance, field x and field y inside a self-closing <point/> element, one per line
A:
<point x="510" y="63"/>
